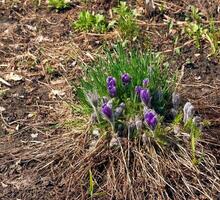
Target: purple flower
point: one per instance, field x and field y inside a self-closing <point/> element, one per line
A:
<point x="111" y="81"/>
<point x="145" y="82"/>
<point x="107" y="111"/>
<point x="112" y="91"/>
<point x="111" y="86"/>
<point x="145" y="96"/>
<point x="138" y="90"/>
<point x="126" y="79"/>
<point x="151" y="119"/>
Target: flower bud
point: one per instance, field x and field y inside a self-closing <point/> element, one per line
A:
<point x="93" y="99"/>
<point x="188" y="111"/>
<point x="138" y="123"/>
<point x="107" y="111"/>
<point x="138" y="89"/>
<point x="126" y="79"/>
<point x="145" y="96"/>
<point x="111" y="86"/>
<point x="145" y="82"/>
<point x="151" y="119"/>
<point x="175" y="100"/>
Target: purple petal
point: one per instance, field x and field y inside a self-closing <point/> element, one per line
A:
<point x="126" y="79"/>
<point x="138" y="90"/>
<point x="107" y="111"/>
<point x="145" y="82"/>
<point x="145" y="96"/>
<point x="151" y="119"/>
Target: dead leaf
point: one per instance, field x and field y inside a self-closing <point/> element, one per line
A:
<point x="5" y="82"/>
<point x="4" y="185"/>
<point x="57" y="93"/>
<point x="2" y="109"/>
<point x="13" y="77"/>
<point x="34" y="135"/>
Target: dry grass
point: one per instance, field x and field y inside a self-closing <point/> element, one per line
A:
<point x="134" y="171"/>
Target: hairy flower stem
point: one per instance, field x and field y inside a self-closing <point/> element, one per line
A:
<point x="129" y="133"/>
<point x="113" y="129"/>
<point x="97" y="114"/>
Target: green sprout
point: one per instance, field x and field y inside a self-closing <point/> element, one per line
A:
<point x="195" y="134"/>
<point x="126" y="22"/>
<point x="90" y="22"/>
<point x="58" y="4"/>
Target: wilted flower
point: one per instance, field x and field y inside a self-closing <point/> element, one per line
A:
<point x="107" y="111"/>
<point x="175" y="100"/>
<point x="119" y="110"/>
<point x="96" y="133"/>
<point x="174" y="112"/>
<point x="138" y="123"/>
<point x="94" y="118"/>
<point x="114" y="142"/>
<point x="138" y="90"/>
<point x="151" y="119"/>
<point x="159" y="95"/>
<point x="145" y="96"/>
<point x="126" y="79"/>
<point x="105" y="99"/>
<point x="197" y="121"/>
<point x="111" y="86"/>
<point x="93" y="99"/>
<point x="144" y="139"/>
<point x="145" y="82"/>
<point x="188" y="111"/>
<point x="131" y="128"/>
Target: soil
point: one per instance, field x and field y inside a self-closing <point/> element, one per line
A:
<point x="34" y="39"/>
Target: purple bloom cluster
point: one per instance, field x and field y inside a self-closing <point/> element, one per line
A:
<point x="151" y="119"/>
<point x="126" y="79"/>
<point x="111" y="85"/>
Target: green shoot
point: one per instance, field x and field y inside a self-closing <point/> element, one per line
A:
<point x="58" y="4"/>
<point x="126" y="22"/>
<point x="195" y="134"/>
<point x="90" y="22"/>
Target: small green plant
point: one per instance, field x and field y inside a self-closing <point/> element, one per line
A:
<point x="195" y="14"/>
<point x="195" y="134"/>
<point x="90" y="22"/>
<point x="50" y="70"/>
<point x="59" y="4"/>
<point x="198" y="31"/>
<point x="126" y="21"/>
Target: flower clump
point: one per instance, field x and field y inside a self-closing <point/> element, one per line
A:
<point x="115" y="111"/>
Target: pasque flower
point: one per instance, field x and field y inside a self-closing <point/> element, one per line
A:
<point x="150" y="118"/>
<point x="111" y="86"/>
<point x="107" y="111"/>
<point x="126" y="79"/>
<point x="145" y="96"/>
<point x="145" y="82"/>
<point x="188" y="111"/>
<point x="119" y="110"/>
<point x="92" y="98"/>
<point x="175" y="100"/>
<point x="138" y="89"/>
